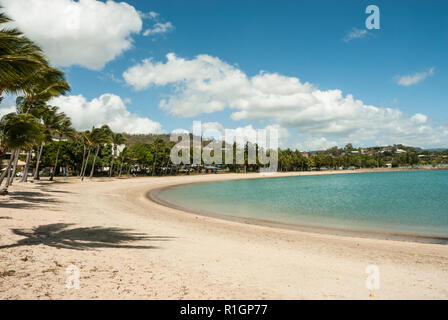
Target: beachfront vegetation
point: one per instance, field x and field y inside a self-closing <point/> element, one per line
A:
<point x="20" y="58"/>
<point x="38" y="138"/>
<point x="353" y="158"/>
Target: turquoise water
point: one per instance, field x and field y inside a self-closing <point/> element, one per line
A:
<point x="414" y="203"/>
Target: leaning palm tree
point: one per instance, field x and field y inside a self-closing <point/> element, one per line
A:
<point x="51" y="120"/>
<point x="87" y="141"/>
<point x="20" y="132"/>
<point x="19" y="58"/>
<point x="24" y="69"/>
<point x="38" y="88"/>
<point x="4" y="147"/>
<point x="26" y="169"/>
<point x="41" y="86"/>
<point x="117" y="139"/>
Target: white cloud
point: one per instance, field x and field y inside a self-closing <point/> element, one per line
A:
<point x="180" y="131"/>
<point x="414" y="78"/>
<point x="203" y="82"/>
<point x="207" y="84"/>
<point x="153" y="15"/>
<point x="355" y="33"/>
<point x="89" y="33"/>
<point x="247" y="133"/>
<point x="108" y="109"/>
<point x="150" y="15"/>
<point x="209" y="128"/>
<point x="419" y="118"/>
<point x="5" y="110"/>
<point x="159" y="28"/>
<point x="315" y="144"/>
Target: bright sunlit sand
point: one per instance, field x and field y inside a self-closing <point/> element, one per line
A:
<point x="224" y="151"/>
<point x="127" y="246"/>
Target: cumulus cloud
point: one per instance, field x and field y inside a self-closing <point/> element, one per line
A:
<point x="180" y="131"/>
<point x="414" y="78"/>
<point x="419" y="118"/>
<point x="159" y="28"/>
<point x="208" y="129"/>
<point x="207" y="84"/>
<point x="208" y="76"/>
<point x="355" y="33"/>
<point x="247" y="133"/>
<point x="149" y="15"/>
<point x="108" y="109"/>
<point x="314" y="144"/>
<point x="89" y="33"/>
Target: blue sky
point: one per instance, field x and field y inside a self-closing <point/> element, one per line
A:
<point x="296" y="39"/>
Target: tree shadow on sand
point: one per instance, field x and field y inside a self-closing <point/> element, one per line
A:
<point x="28" y="200"/>
<point x="58" y="236"/>
<point x="32" y="197"/>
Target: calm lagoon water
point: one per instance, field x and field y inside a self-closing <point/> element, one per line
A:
<point x="413" y="203"/>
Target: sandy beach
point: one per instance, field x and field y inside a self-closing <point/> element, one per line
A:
<point x="129" y="247"/>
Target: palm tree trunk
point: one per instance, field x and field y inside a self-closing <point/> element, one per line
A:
<point x="8" y="167"/>
<point x="83" y="159"/>
<point x="27" y="167"/>
<point x="11" y="181"/>
<point x="121" y="165"/>
<point x="119" y="171"/>
<point x="7" y="173"/>
<point x="114" y="156"/>
<point x="36" y="174"/>
<point x="83" y="171"/>
<point x="3" y="175"/>
<point x="94" y="160"/>
<point x="55" y="164"/>
<point x="31" y="105"/>
<point x="13" y="157"/>
<point x="111" y="168"/>
<point x="12" y="174"/>
<point x="112" y="164"/>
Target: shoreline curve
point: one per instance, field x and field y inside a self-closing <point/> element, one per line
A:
<point x="154" y="195"/>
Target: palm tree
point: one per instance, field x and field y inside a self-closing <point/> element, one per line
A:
<point x="38" y="88"/>
<point x="63" y="128"/>
<point x="27" y="166"/>
<point x="19" y="58"/>
<point x="20" y="132"/>
<point x="86" y="138"/>
<point x="100" y="136"/>
<point x="116" y="139"/>
<point x="51" y="120"/>
<point x="4" y="147"/>
<point x="41" y="86"/>
<point x="123" y="155"/>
